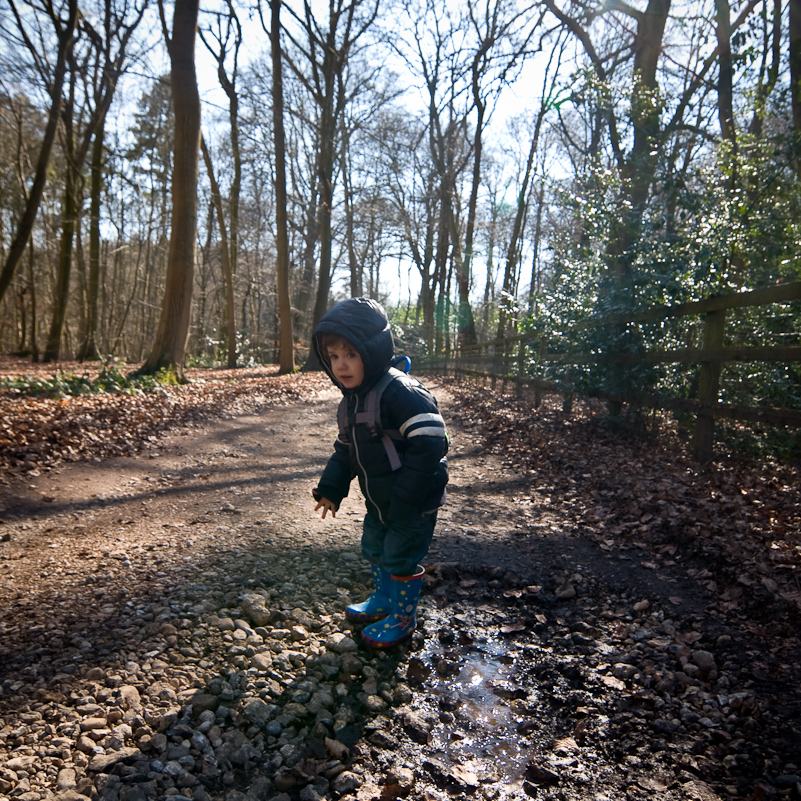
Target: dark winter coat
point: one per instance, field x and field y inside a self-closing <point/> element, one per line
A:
<point x="406" y="406"/>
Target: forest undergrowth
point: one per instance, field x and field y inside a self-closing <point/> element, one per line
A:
<point x="707" y="557"/>
<point x="739" y="520"/>
<point x="734" y="524"/>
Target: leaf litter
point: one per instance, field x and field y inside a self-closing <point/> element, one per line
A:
<point x="618" y="695"/>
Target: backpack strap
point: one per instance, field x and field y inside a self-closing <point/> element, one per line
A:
<point x="342" y="420"/>
<point x="392" y="452"/>
<point x="371" y="417"/>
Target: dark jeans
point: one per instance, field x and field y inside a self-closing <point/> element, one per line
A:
<point x="399" y="547"/>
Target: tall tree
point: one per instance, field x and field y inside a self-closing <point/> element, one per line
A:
<point x="502" y="34"/>
<point x="725" y="72"/>
<point x="287" y="348"/>
<point x="63" y="21"/>
<point x="795" y="79"/>
<point x="770" y="63"/>
<point x="169" y="348"/>
<point x="638" y="167"/>
<point x="223" y="40"/>
<point x="99" y="69"/>
<point x="325" y="50"/>
<point x="88" y="348"/>
<point x="226" y="255"/>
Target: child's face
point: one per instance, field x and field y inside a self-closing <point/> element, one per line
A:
<point x="346" y="365"/>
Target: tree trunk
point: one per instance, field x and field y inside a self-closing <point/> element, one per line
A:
<point x="287" y="355"/>
<point x="88" y="349"/>
<point x="638" y="172"/>
<point x="535" y="256"/>
<point x="305" y="288"/>
<point x="434" y="333"/>
<point x="725" y="83"/>
<point x="25" y="225"/>
<point x="513" y="254"/>
<point x="169" y="348"/>
<point x="69" y="214"/>
<point x="326" y="186"/>
<point x="229" y="223"/>
<point x="795" y="80"/>
<point x="34" y="323"/>
<point x="467" y="262"/>
<point x="356" y="267"/>
<point x="225" y="253"/>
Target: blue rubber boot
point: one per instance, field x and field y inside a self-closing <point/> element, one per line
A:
<point x="401" y="623"/>
<point x="378" y="605"/>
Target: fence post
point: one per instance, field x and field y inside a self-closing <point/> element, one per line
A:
<point x="708" y="385"/>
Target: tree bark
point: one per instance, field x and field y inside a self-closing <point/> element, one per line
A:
<point x="356" y="267"/>
<point x="169" y="348"/>
<point x="639" y="169"/>
<point x="69" y="214"/>
<point x="88" y="349"/>
<point x="287" y="350"/>
<point x="225" y="253"/>
<point x="513" y="254"/>
<point x="795" y="80"/>
<point x="725" y="83"/>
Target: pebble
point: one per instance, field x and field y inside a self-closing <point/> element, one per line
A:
<point x="216" y="691"/>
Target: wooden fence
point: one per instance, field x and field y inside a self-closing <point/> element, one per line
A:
<point x="525" y="359"/>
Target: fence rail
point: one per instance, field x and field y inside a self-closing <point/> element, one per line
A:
<point x="523" y="360"/>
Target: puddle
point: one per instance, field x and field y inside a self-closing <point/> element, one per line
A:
<point x="478" y="729"/>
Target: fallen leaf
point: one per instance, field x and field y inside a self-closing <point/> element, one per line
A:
<point x="567" y="745"/>
<point x="463" y="776"/>
<point x="513" y="628"/>
<point x="615" y="684"/>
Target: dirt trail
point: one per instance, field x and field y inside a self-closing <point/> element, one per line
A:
<point x="546" y="665"/>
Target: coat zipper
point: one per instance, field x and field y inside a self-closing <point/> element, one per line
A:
<point x="364" y="472"/>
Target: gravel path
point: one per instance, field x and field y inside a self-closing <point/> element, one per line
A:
<point x="173" y="628"/>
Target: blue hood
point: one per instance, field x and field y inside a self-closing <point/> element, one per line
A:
<point x="364" y="323"/>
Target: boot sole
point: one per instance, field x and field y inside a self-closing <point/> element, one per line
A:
<point x="360" y="617"/>
<point x="377" y="644"/>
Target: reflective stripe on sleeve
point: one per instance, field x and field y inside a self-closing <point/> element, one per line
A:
<point x="436" y="419"/>
<point x="429" y="431"/>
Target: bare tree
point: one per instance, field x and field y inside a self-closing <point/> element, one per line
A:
<point x="98" y="68"/>
<point x="63" y="20"/>
<point x="226" y="253"/>
<point x="169" y="347"/>
<point x="223" y="39"/>
<point x="502" y="35"/>
<point x="287" y="359"/>
<point x="322" y="56"/>
<point x="770" y="63"/>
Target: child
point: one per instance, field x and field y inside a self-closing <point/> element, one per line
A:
<point x="398" y="452"/>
